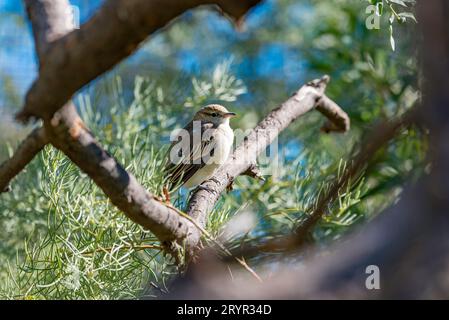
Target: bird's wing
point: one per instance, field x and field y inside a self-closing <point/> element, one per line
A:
<point x="186" y="165"/>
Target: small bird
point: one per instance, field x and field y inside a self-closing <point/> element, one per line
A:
<point x="201" y="147"/>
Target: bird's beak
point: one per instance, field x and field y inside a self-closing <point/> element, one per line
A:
<point x="229" y="115"/>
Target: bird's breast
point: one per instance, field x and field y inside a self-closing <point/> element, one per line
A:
<point x="214" y="155"/>
<point x="221" y="146"/>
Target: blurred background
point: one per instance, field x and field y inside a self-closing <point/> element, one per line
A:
<point x="55" y="220"/>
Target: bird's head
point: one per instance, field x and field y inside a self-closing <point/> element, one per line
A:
<point x="214" y="113"/>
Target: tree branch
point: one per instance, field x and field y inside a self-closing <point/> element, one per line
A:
<point x="243" y="160"/>
<point x="26" y="151"/>
<point x="75" y="57"/>
<point x="49" y="23"/>
<point x="338" y="121"/>
<point x="67" y="132"/>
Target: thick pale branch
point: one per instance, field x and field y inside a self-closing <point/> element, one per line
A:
<point x="113" y="33"/>
<point x="244" y="158"/>
<point x="50" y="22"/>
<point x="26" y="151"/>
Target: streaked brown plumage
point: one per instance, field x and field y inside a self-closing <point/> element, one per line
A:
<point x="206" y="154"/>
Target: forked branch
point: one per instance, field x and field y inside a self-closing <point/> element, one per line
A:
<point x="309" y="97"/>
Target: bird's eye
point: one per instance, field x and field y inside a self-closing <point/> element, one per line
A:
<point x="214" y="114"/>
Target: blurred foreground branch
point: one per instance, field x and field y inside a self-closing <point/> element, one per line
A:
<point x="408" y="243"/>
<point x="243" y="160"/>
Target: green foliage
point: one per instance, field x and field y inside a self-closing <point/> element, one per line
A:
<point x="399" y="11"/>
<point x="80" y="246"/>
<point x="224" y="87"/>
<point x="71" y="242"/>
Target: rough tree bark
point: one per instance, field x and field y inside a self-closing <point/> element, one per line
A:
<point x="409" y="242"/>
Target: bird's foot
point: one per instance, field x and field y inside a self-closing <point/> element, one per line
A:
<point x="230" y="186"/>
<point x="166" y="194"/>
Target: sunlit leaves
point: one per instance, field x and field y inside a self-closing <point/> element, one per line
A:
<point x="222" y="86"/>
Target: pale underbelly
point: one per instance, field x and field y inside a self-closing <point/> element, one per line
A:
<point x="222" y="148"/>
<point x="201" y="175"/>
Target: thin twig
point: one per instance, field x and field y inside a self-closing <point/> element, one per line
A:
<point x="25" y="152"/>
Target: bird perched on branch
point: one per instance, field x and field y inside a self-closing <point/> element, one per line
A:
<point x="201" y="147"/>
